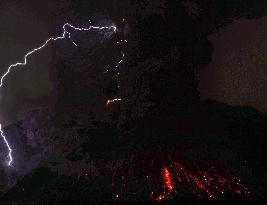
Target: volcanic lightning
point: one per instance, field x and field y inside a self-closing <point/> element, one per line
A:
<point x="7" y="144"/>
<point x="108" y="102"/>
<point x="65" y="34"/>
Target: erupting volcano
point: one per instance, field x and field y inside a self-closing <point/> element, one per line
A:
<point x="161" y="181"/>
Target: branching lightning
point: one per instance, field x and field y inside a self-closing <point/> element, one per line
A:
<point x="65" y="34"/>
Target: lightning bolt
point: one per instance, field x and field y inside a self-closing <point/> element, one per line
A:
<point x="108" y="102"/>
<point x="118" y="64"/>
<point x="65" y="34"/>
<point x="7" y="144"/>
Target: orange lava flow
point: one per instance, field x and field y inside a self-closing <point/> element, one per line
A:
<point x="189" y="176"/>
<point x="167" y="179"/>
<point x="168" y="185"/>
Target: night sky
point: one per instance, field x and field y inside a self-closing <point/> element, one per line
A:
<point x="169" y="107"/>
<point x="237" y="73"/>
<point x="23" y="26"/>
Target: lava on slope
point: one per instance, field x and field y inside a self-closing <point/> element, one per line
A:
<point x="206" y="181"/>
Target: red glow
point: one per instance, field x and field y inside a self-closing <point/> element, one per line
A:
<point x="168" y="185"/>
<point x="161" y="198"/>
<point x="182" y="171"/>
<point x="172" y="179"/>
<point x="167" y="179"/>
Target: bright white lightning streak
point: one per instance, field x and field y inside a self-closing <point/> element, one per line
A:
<point x="121" y="61"/>
<point x="63" y="36"/>
<point x="113" y="100"/>
<point x="6" y="142"/>
<point x="118" y="64"/>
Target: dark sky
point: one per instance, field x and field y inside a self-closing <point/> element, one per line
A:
<point x="237" y="78"/>
<point x="237" y="74"/>
<point x="30" y="23"/>
<point x="31" y="87"/>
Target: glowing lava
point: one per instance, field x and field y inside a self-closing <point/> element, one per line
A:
<point x="181" y="172"/>
<point x="168" y="185"/>
<point x="167" y="180"/>
<point x="205" y="181"/>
